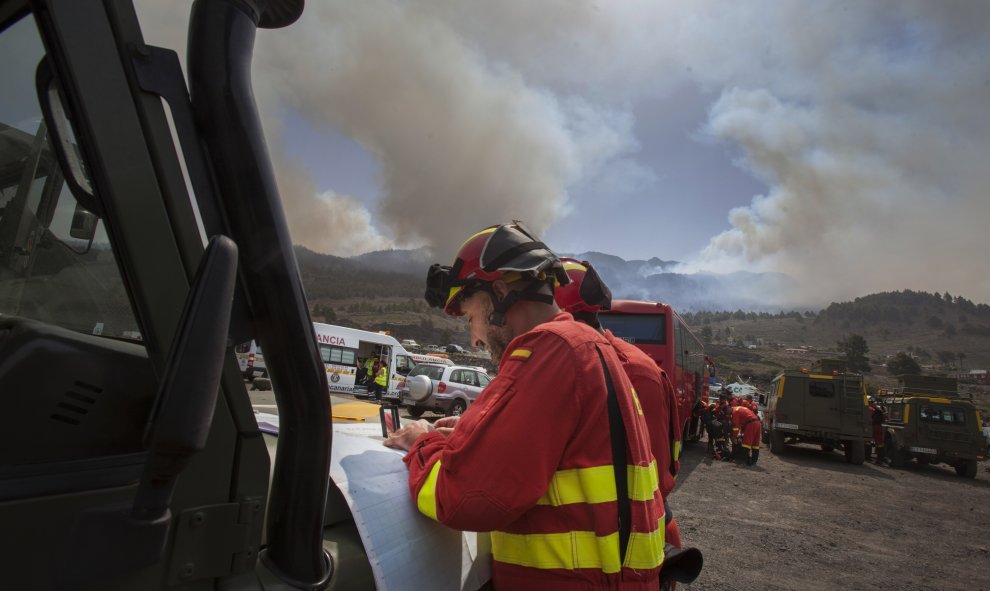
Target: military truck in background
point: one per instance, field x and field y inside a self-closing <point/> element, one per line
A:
<point x="928" y="421"/>
<point x="824" y="406"/>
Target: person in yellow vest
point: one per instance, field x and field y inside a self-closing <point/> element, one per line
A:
<point x="381" y="381"/>
<point x="369" y="371"/>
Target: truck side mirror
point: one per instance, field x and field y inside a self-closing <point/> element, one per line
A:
<point x="83" y="224"/>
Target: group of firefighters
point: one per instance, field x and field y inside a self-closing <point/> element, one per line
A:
<point x="568" y="455"/>
<point x="732" y="425"/>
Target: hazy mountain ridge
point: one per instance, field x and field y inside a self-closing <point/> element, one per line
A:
<point x="644" y="279"/>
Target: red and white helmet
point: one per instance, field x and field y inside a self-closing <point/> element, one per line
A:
<point x="586" y="291"/>
<point x="509" y="252"/>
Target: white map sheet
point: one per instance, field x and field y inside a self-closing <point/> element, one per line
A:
<point x="407" y="550"/>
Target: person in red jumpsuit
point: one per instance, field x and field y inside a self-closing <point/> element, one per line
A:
<point x="746" y="429"/>
<point x="583" y="297"/>
<point x="553" y="458"/>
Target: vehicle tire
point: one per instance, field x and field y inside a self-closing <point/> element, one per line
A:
<point x="898" y="457"/>
<point x="855" y="452"/>
<point x="262" y="384"/>
<point x="924" y="460"/>
<point x="967" y="469"/>
<point x="868" y="452"/>
<point x="415" y="411"/>
<point x="457" y="408"/>
<point x="765" y="437"/>
<point x="776" y="442"/>
<point x="827" y="448"/>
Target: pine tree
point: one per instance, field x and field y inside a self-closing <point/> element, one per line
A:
<point x="855" y="348"/>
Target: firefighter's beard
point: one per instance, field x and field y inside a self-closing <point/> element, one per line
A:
<point x="497" y="338"/>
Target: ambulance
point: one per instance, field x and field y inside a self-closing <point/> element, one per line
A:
<point x="344" y="351"/>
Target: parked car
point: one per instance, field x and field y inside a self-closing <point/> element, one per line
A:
<point x="443" y="389"/>
<point x="409" y="343"/>
<point x="452" y="348"/>
<point x="437" y="348"/>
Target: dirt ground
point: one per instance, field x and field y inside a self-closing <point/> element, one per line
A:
<point x="806" y="520"/>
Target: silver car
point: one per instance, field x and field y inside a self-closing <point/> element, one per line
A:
<point x="443" y="389"/>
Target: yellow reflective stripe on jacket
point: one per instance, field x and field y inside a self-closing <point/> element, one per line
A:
<point x="639" y="407"/>
<point x="677" y="450"/>
<point x="597" y="485"/>
<point x="579" y="549"/>
<point x="426" y="500"/>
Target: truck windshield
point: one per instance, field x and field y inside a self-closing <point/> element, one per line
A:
<point x="943" y="415"/>
<point x="638" y="329"/>
<point x="56" y="265"/>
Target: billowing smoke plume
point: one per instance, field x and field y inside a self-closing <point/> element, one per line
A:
<point x="872" y="128"/>
<point x="463" y="140"/>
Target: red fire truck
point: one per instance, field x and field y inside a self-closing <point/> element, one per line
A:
<point x="659" y="331"/>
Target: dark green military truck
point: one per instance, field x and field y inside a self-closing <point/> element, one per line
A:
<point x="824" y="406"/>
<point x="927" y="420"/>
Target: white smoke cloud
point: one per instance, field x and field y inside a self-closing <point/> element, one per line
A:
<point x="872" y="134"/>
<point x="463" y="141"/>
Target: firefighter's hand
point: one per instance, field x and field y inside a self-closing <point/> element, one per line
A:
<point x="445" y="425"/>
<point x="405" y="437"/>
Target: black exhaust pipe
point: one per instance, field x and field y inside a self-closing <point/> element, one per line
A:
<point x="221" y="42"/>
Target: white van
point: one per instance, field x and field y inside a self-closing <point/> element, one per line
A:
<point x="344" y="351"/>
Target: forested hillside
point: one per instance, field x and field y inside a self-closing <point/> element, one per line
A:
<point x="945" y="333"/>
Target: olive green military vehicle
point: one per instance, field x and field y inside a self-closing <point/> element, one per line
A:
<point x="927" y="421"/>
<point x="827" y="408"/>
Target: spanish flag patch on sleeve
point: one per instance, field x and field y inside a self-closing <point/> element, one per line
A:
<point x="520" y="354"/>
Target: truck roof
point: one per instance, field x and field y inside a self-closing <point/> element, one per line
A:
<point x="816" y="374"/>
<point x="927" y="385"/>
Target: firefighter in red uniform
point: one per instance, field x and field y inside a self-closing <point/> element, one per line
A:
<point x="746" y="430"/>
<point x="583" y="297"/>
<point x="553" y="458"/>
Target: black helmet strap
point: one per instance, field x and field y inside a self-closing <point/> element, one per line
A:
<point x="529" y="293"/>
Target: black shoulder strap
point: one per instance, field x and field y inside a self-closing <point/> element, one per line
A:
<point x="617" y="436"/>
